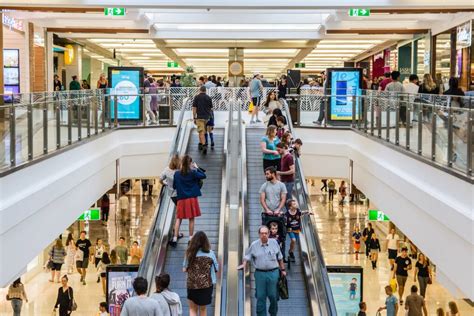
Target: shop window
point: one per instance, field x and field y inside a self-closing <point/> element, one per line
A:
<point x="443" y="55"/>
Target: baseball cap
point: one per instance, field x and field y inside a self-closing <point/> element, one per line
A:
<point x="255" y="74"/>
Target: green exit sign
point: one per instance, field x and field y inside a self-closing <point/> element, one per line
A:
<point x="378" y="216"/>
<point x="114" y="11"/>
<point x="92" y="214"/>
<point x="359" y="12"/>
<point x="300" y="65"/>
<point x="173" y="64"/>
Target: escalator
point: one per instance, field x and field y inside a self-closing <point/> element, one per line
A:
<point x="308" y="282"/>
<point x="159" y="257"/>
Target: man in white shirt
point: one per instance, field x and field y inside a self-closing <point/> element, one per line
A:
<point x="392" y="246"/>
<point x="412" y="86"/>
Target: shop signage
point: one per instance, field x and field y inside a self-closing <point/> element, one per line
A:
<point x="68" y="54"/>
<point x="114" y="11"/>
<point x="90" y="215"/>
<point x="12" y="23"/>
<point x="464" y="35"/>
<point x="172" y="64"/>
<point x="378" y="216"/>
<point x="300" y="65"/>
<point x="359" y="12"/>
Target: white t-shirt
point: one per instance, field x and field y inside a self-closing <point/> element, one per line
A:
<point x="411" y="88"/>
<point x="124" y="202"/>
<point x="393" y="241"/>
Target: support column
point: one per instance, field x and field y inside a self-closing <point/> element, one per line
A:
<point x="31" y="59"/>
<point x="236" y="54"/>
<point x="48" y="61"/>
<point x="2" y="111"/>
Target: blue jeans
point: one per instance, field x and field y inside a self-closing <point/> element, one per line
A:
<point x="289" y="189"/>
<point x="266" y="286"/>
<point x="16" y="305"/>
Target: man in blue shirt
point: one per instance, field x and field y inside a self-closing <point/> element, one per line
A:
<point x="391" y="302"/>
<point x="255" y="92"/>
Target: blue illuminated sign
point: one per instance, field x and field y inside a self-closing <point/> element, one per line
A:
<point x="126" y="83"/>
<point x="344" y="83"/>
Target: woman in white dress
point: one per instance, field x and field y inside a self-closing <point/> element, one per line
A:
<point x="70" y="254"/>
<point x="271" y="104"/>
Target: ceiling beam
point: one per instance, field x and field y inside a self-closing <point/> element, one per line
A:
<point x="53" y="9"/>
<point x="93" y="47"/>
<point x="302" y="54"/>
<point x="378" y="31"/>
<point x="161" y="45"/>
<point x="373" y="50"/>
<point x="422" y="11"/>
<point x="96" y="30"/>
<point x="239" y="44"/>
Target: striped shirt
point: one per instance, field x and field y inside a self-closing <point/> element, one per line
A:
<point x="57" y="254"/>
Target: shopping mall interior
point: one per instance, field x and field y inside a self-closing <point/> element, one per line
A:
<point x="360" y="112"/>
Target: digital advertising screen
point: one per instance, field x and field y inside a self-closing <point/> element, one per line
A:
<point x="125" y="82"/>
<point x="346" y="285"/>
<point x="11" y="76"/>
<point x="119" y="286"/>
<point x="11" y="58"/>
<point x="343" y="84"/>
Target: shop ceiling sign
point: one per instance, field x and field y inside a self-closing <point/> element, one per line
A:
<point x="464" y="35"/>
<point x="12" y="23"/>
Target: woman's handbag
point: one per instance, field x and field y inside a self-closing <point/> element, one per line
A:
<point x="251" y="107"/>
<point x="73" y="303"/>
<point x="283" y="287"/>
<point x="430" y="280"/>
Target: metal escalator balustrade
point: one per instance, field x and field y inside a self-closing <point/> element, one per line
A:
<point x="318" y="285"/>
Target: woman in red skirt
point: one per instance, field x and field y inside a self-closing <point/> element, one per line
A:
<point x="186" y="183"/>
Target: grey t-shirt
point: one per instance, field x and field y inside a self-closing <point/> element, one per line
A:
<point x="394" y="86"/>
<point x="273" y="193"/>
<point x="164" y="307"/>
<point x="140" y="306"/>
<point x="414" y="303"/>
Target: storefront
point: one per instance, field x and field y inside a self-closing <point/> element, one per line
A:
<point x="452" y="55"/>
<point x="15" y="63"/>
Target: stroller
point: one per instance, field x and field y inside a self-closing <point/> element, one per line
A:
<point x="267" y="220"/>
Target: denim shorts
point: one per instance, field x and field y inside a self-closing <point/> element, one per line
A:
<point x="294" y="235"/>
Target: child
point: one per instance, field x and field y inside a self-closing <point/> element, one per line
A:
<point x="102" y="309"/>
<point x="352" y="289"/>
<point x="296" y="147"/>
<point x="275" y="235"/>
<point x="293" y="225"/>
<point x="281" y="127"/>
<point x="210" y="130"/>
<point x="356" y="236"/>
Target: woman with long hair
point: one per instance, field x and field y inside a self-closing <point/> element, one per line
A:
<point x="167" y="176"/>
<point x="428" y="86"/>
<point x="70" y="253"/>
<point x="342" y="192"/>
<point x="271" y="103"/>
<point x="113" y="257"/>
<point x="186" y="183"/>
<point x="99" y="250"/>
<point x="16" y="294"/>
<point x="102" y="82"/>
<point x="65" y="298"/>
<point x="102" y="269"/>
<point x="201" y="266"/>
<point x="423" y="273"/>
<point x="268" y="144"/>
<point x="57" y="255"/>
<point x="104" y="208"/>
<point x="453" y="309"/>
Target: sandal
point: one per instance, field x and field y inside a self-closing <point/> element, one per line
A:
<point x="181" y="235"/>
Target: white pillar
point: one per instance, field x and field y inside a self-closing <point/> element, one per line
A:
<point x="48" y="63"/>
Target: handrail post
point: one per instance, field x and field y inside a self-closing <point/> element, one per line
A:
<point x="12" y="135"/>
<point x="79" y="119"/>
<point x="420" y="129"/>
<point x="30" y="130"/>
<point x="470" y="139"/>
<point x="104" y="111"/>
<point x="88" y="117"/>
<point x="57" y="108"/>
<point x="372" y="116"/>
<point x="433" y="134"/>
<point x="45" y="128"/>
<point x="69" y="124"/>
<point x="364" y="113"/>
<point x="408" y="122"/>
<point x="326" y="103"/>
<point x="387" y="128"/>
<point x="354" y="112"/>
<point x="115" y="111"/>
<point x="96" y="116"/>
<point x="397" y="120"/>
<point x="450" y="137"/>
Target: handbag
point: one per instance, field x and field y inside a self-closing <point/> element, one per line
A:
<point x="283" y="287"/>
<point x="393" y="284"/>
<point x="430" y="280"/>
<point x="73" y="303"/>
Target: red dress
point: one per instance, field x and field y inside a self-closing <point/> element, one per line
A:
<point x="188" y="208"/>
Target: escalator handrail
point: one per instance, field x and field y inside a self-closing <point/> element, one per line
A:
<point x="311" y="233"/>
<point x="162" y="210"/>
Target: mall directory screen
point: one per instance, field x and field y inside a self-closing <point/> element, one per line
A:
<point x="344" y="83"/>
<point x="125" y="82"/>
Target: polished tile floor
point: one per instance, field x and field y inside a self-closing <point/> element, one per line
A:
<point x="335" y="226"/>
<point x="42" y="293"/>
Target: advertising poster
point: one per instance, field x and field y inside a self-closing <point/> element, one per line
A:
<point x="119" y="286"/>
<point x="346" y="285"/>
<point x="11" y="73"/>
<point x="125" y="82"/>
<point x="344" y="83"/>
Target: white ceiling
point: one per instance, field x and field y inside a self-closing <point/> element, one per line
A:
<point x="273" y="34"/>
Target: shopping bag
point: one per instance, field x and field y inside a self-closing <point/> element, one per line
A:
<point x="283" y="287"/>
<point x="251" y="107"/>
<point x="393" y="284"/>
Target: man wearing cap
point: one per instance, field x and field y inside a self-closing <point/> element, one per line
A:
<point x="266" y="257"/>
<point x="400" y="270"/>
<point x="255" y="91"/>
